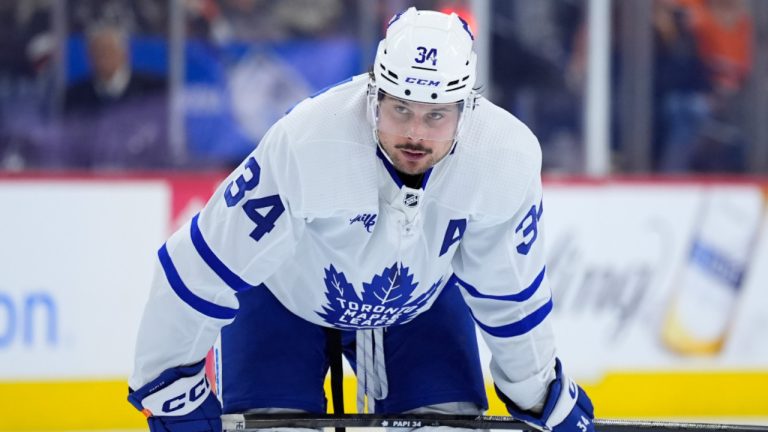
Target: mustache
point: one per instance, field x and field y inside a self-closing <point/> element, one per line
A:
<point x="413" y="147"/>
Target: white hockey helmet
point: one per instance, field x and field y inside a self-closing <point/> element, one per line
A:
<point x="426" y="56"/>
<point x="426" y="59"/>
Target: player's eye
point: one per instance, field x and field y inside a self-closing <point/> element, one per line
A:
<point x="434" y="116"/>
<point x="400" y="109"/>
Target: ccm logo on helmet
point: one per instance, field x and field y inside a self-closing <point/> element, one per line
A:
<point x="194" y="394"/>
<point x="423" y="82"/>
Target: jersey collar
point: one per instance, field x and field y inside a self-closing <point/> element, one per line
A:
<point x="393" y="172"/>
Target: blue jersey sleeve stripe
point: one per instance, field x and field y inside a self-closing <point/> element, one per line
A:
<point x="518" y="328"/>
<point x="518" y="297"/>
<point x="228" y="276"/>
<point x="201" y="305"/>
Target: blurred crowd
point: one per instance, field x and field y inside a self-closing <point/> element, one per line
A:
<point x="702" y="65"/>
<point x="117" y="85"/>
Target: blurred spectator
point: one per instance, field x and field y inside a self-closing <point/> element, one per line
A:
<point x="133" y="16"/>
<point x="115" y="118"/>
<point x="703" y="61"/>
<point x="26" y="80"/>
<point x="224" y="21"/>
<point x="535" y="50"/>
<point x="723" y="29"/>
<point x="203" y="17"/>
<point x="112" y="80"/>
<point x="309" y="18"/>
<point x="246" y="20"/>
<point x="681" y="86"/>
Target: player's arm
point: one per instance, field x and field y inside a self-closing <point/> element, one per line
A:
<point x="243" y="235"/>
<point x="503" y="278"/>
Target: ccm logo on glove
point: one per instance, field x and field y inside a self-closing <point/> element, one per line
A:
<point x="176" y="392"/>
<point x="194" y="394"/>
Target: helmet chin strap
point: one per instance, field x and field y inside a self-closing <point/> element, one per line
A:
<point x="381" y="147"/>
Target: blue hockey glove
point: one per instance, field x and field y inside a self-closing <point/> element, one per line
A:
<point x="567" y="408"/>
<point x="179" y="400"/>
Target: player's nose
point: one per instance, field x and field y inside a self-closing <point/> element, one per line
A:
<point x="417" y="130"/>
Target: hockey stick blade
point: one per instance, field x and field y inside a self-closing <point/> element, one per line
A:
<point x="249" y="422"/>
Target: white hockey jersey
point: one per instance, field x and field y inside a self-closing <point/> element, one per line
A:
<point x="319" y="217"/>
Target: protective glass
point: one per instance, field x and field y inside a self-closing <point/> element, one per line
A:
<point x="418" y="121"/>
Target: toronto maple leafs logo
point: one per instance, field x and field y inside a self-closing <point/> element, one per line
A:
<point x="385" y="301"/>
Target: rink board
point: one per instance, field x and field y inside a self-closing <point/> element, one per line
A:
<point x="77" y="254"/>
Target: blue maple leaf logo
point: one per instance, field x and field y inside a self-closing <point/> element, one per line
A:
<point x="386" y="300"/>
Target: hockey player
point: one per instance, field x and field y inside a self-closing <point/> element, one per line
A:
<point x="400" y="207"/>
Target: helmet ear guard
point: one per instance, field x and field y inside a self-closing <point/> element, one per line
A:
<point x="372" y="106"/>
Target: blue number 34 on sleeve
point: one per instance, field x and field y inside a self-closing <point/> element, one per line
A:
<point x="264" y="222"/>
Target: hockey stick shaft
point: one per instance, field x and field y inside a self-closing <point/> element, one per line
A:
<point x="246" y="422"/>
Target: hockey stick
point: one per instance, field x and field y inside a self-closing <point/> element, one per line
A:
<point x="247" y="422"/>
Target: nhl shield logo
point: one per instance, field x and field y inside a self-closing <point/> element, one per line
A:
<point x="411" y="200"/>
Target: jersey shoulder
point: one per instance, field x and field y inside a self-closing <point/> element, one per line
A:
<point x="493" y="129"/>
<point x="319" y="114"/>
<point x="327" y="145"/>
<point x="498" y="158"/>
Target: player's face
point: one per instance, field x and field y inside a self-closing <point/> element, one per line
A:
<point x="416" y="135"/>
